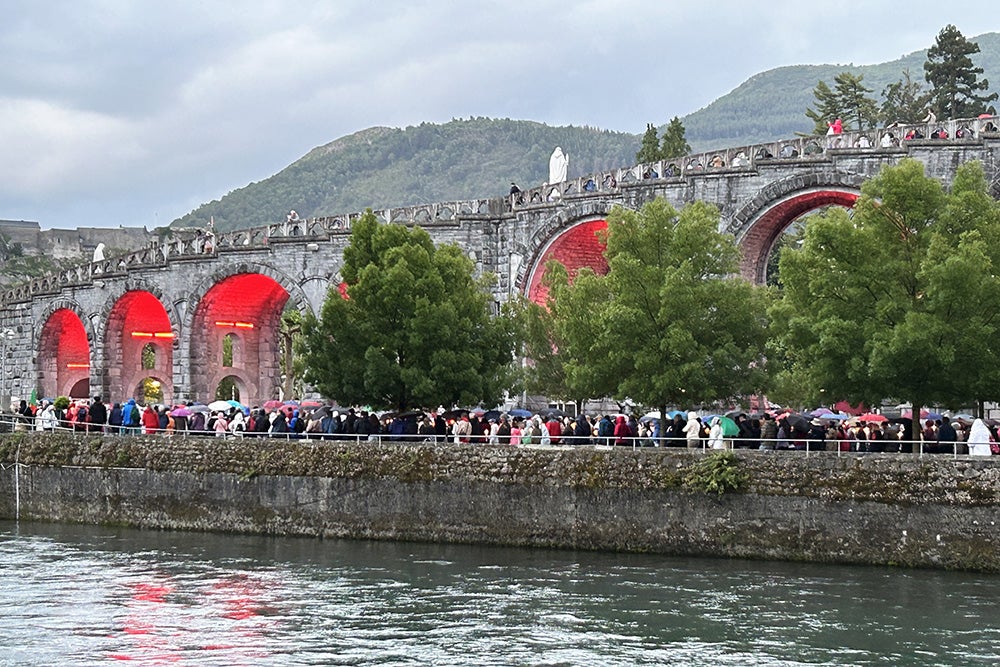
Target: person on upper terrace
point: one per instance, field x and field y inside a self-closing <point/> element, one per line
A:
<point x="836" y="127"/>
<point x="930" y="118"/>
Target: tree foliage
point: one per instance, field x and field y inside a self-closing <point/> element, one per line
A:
<point x="669" y="324"/>
<point x="673" y="144"/>
<point x="957" y="91"/>
<point x="560" y="338"/>
<point x="904" y="101"/>
<point x="415" y="330"/>
<point x="899" y="300"/>
<point x="847" y="100"/>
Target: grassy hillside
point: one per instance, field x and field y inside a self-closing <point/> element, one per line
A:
<point x="479" y="157"/>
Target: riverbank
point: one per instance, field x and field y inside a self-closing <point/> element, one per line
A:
<point x="934" y="511"/>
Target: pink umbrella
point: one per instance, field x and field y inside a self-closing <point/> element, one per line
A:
<point x="872" y="417"/>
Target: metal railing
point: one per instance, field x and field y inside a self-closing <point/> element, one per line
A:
<point x="807" y="447"/>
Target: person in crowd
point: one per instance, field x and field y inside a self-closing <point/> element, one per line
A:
<point x="980" y="439"/>
<point x="692" y="431"/>
<point x="462" y="430"/>
<point x="503" y="430"/>
<point x="25" y="417"/>
<point x="715" y="439"/>
<point x="946" y="437"/>
<point x="515" y="433"/>
<point x="98" y="415"/>
<point x="426" y="429"/>
<point x="46" y="421"/>
<point x="768" y="432"/>
<point x="817" y="434"/>
<point x="115" y="420"/>
<point x="150" y="420"/>
<point x="554" y="428"/>
<point x="279" y="424"/>
<point x="623" y="434"/>
<point x="605" y="430"/>
<point x="220" y="426"/>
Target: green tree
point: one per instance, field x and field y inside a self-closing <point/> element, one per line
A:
<point x="674" y="144"/>
<point x="904" y="101"/>
<point x="415" y="330"/>
<point x="954" y="79"/>
<point x="827" y="108"/>
<point x="675" y="326"/>
<point x="847" y="100"/>
<point x="650" y="149"/>
<point x="560" y="338"/>
<point x="858" y="110"/>
<point x="899" y="299"/>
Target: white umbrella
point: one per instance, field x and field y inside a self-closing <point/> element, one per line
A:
<point x="220" y="406"/>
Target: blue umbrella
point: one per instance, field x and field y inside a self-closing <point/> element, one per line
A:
<point x="520" y="412"/>
<point x="239" y="406"/>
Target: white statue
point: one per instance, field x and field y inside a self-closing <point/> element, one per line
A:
<point x="99" y="253"/>
<point x="558" y="164"/>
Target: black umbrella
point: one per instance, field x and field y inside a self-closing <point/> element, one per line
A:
<point x="492" y="414"/>
<point x="733" y="414"/>
<point x="798" y="422"/>
<point x="553" y="412"/>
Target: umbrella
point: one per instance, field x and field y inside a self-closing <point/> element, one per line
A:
<point x="219" y="406"/>
<point x="310" y="404"/>
<point x="819" y="412"/>
<point x="872" y="417"/>
<point x="411" y="413"/>
<point x="322" y="412"/>
<point x="181" y="411"/>
<point x="492" y="414"/>
<point x="199" y="408"/>
<point x="733" y="414"/>
<point x="729" y="427"/>
<point x="273" y="404"/>
<point x="963" y="417"/>
<point x="833" y="416"/>
<point x="798" y="422"/>
<point x="520" y="412"/>
<point x="553" y="412"/>
<point x="645" y="419"/>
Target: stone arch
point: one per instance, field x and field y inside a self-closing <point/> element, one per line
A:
<point x="759" y="224"/>
<point x="246" y="299"/>
<point x="546" y="235"/>
<point x="130" y="320"/>
<point x="64" y="347"/>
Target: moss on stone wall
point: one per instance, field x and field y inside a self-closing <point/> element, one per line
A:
<point x="887" y="478"/>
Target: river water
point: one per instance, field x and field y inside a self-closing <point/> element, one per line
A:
<point x="78" y="595"/>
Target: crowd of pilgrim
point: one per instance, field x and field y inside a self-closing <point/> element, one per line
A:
<point x="777" y="431"/>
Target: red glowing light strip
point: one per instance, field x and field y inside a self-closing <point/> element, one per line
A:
<point x="149" y="334"/>
<point x="77" y="365"/>
<point x="238" y="325"/>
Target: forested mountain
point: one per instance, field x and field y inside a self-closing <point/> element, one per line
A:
<point x="772" y="104"/>
<point x="479" y="157"/>
<point x="381" y="166"/>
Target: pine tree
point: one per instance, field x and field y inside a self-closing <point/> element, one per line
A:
<point x="827" y="107"/>
<point x="674" y="144"/>
<point x="905" y="101"/>
<point x="857" y="109"/>
<point x="953" y="77"/>
<point x="650" y="150"/>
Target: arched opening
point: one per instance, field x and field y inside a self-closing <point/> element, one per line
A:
<point x="148" y="357"/>
<point x="149" y="391"/>
<point x="245" y="310"/>
<point x="575" y="248"/>
<point x="766" y="230"/>
<point x="230" y="350"/>
<point x="229" y="389"/>
<point x="138" y="346"/>
<point x="64" y="355"/>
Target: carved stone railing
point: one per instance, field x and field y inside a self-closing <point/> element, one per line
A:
<point x="750" y="157"/>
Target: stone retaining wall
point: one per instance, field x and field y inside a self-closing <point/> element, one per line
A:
<point x="934" y="511"/>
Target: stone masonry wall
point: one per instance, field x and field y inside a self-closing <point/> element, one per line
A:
<point x="878" y="509"/>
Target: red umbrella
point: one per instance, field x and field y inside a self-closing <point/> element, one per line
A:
<point x="310" y="404"/>
<point x="272" y="404"/>
<point x="872" y="417"/>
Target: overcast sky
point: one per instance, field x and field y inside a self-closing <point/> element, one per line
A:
<point x="134" y="112"/>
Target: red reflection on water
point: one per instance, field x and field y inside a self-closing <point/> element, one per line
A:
<point x="165" y="624"/>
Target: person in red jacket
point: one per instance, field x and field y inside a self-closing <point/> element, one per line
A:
<point x="554" y="428"/>
<point x="150" y="420"/>
<point x="622" y="431"/>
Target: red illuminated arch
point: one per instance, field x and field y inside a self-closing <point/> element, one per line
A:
<point x="575" y="248"/>
<point x="248" y="305"/>
<point x="768" y="226"/>
<point x="64" y="355"/>
<point x="137" y="319"/>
